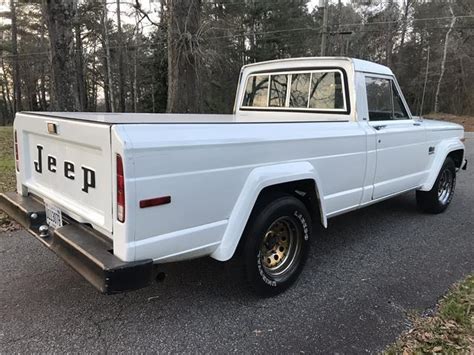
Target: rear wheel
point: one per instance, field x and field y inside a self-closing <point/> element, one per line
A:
<point x="439" y="197"/>
<point x="276" y="244"/>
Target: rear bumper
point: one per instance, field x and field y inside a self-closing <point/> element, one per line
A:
<point x="84" y="249"/>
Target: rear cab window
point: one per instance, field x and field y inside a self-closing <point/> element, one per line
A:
<point x="256" y="91"/>
<point x="319" y="90"/>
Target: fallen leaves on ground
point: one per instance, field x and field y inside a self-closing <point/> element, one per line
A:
<point x="449" y="330"/>
<point x="7" y="225"/>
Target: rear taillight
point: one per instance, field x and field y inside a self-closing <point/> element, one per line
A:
<point x="120" y="190"/>
<point x="17" y="154"/>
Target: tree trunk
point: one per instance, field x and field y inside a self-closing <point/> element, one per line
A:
<point x="17" y="104"/>
<point x="443" y="61"/>
<point x="120" y="64"/>
<point x="135" y="82"/>
<point x="4" y="83"/>
<point x="135" y="65"/>
<point x="425" y="82"/>
<point x="153" y="105"/>
<point x="324" y="33"/>
<point x="4" y="117"/>
<point x="59" y="16"/>
<point x="7" y="91"/>
<point x="108" y="83"/>
<point x="43" y="101"/>
<point x="464" y="88"/>
<point x="183" y="61"/>
<point x="92" y="100"/>
<point x="30" y="92"/>
<point x="342" y="39"/>
<point x="81" y="83"/>
<point x="405" y="22"/>
<point x="389" y="38"/>
<point x="42" y="94"/>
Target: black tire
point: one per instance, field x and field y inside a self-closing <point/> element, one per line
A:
<point x="276" y="244"/>
<point x="439" y="197"/>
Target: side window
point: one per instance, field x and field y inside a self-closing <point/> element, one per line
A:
<point x="299" y="90"/>
<point x="256" y="91"/>
<point x="399" y="111"/>
<point x="384" y="101"/>
<point x="326" y="91"/>
<point x="379" y="98"/>
<point x="278" y="85"/>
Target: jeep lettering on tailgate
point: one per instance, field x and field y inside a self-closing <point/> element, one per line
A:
<point x="88" y="175"/>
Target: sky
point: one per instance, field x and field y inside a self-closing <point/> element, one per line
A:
<point x="153" y="5"/>
<point x="150" y="6"/>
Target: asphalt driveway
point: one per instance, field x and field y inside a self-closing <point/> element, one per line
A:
<point x="365" y="273"/>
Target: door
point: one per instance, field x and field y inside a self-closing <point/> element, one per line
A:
<point x="401" y="149"/>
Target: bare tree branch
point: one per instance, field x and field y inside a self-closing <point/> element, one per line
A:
<point x="138" y="7"/>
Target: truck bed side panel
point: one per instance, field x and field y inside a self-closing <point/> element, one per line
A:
<point x="203" y="167"/>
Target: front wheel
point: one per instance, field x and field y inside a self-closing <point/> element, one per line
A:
<point x="439" y="197"/>
<point x="276" y="244"/>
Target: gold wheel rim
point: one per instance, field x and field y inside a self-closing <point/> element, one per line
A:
<point x="280" y="246"/>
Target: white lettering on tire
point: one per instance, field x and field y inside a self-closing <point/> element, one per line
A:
<point x="264" y="277"/>
<point x="262" y="273"/>
<point x="300" y="216"/>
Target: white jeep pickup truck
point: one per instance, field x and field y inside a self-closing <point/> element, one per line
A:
<point x="115" y="195"/>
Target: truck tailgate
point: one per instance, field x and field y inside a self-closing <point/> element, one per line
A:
<point x="68" y="163"/>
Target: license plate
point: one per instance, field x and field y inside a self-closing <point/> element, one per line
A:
<point x="54" y="216"/>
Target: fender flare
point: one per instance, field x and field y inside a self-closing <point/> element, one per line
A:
<point x="257" y="180"/>
<point x="442" y="151"/>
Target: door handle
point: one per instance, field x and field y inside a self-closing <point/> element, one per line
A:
<point x="379" y="127"/>
<point x="417" y="124"/>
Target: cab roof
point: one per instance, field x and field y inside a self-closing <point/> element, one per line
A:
<point x="290" y="63"/>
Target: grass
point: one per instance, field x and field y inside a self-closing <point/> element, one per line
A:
<point x="7" y="160"/>
<point x="7" y="171"/>
<point x="449" y="331"/>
